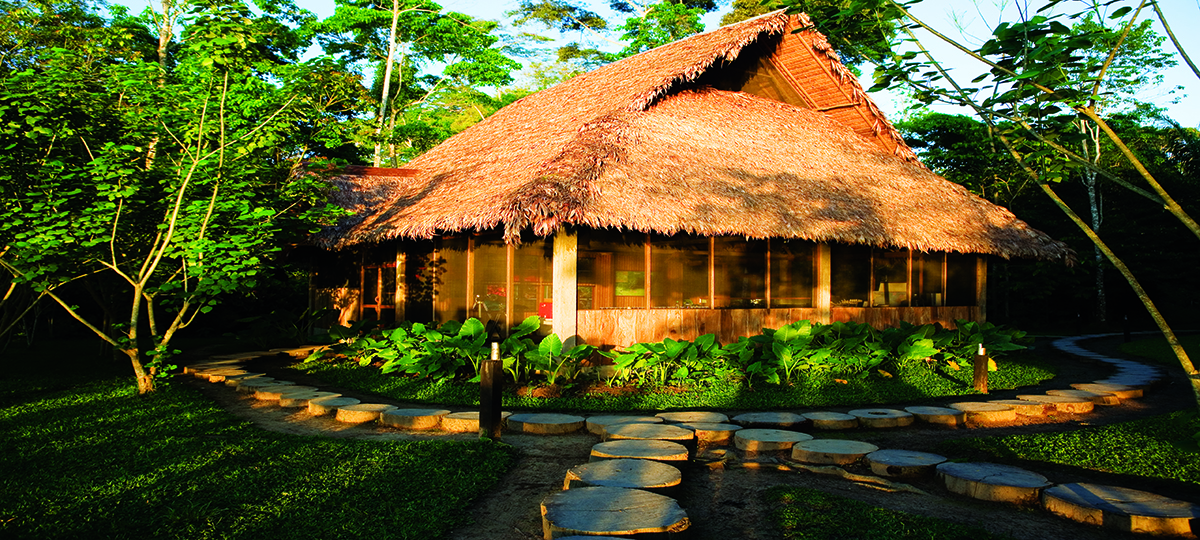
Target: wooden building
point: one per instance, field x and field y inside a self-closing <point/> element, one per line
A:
<point x="730" y="181"/>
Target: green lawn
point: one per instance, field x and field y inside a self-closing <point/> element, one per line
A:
<point x="912" y="382"/>
<point x="95" y="460"/>
<point x="1156" y="349"/>
<point x="808" y="514"/>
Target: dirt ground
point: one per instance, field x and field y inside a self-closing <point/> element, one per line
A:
<point x="727" y="503"/>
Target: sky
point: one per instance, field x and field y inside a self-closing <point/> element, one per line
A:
<point x="968" y="20"/>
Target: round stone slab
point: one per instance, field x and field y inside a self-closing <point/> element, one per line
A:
<point x="767" y="440"/>
<point x="624" y="473"/>
<point x="235" y="380"/>
<point x="272" y="393"/>
<point x="771" y="420"/>
<point x="992" y="482"/>
<point x="323" y="406"/>
<point x="249" y="386"/>
<point x="1099" y="398"/>
<point x="601" y="510"/>
<point x="1119" y="390"/>
<point x="938" y="415"/>
<point x="831" y="451"/>
<point x="545" y="423"/>
<point x="1023" y="407"/>
<point x="985" y="412"/>
<point x="467" y="422"/>
<point x="1063" y="404"/>
<point x="661" y="432"/>
<point x="598" y="424"/>
<point x="413" y="418"/>
<point x="710" y="432"/>
<point x="1121" y="508"/>
<point x="902" y="463"/>
<point x="882" y="418"/>
<point x="693" y="416"/>
<point x="361" y="412"/>
<point x="639" y="449"/>
<point x="832" y="420"/>
<point x="301" y="399"/>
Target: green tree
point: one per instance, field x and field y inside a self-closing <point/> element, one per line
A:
<point x="173" y="231"/>
<point x="1035" y="80"/>
<point x="746" y="9"/>
<point x="400" y="40"/>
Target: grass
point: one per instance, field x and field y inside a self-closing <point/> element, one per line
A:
<point x="809" y="514"/>
<point x="1156" y="447"/>
<point x="95" y="460"/>
<point x="912" y="382"/>
<point x="1157" y="349"/>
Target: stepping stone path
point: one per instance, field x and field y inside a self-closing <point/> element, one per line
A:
<point x="639" y="449"/>
<point x="545" y="424"/>
<point x="624" y="473"/>
<point x="416" y="419"/>
<point x="661" y="432"/>
<point x="992" y="482"/>
<point x="1023" y="407"/>
<point x="986" y="412"/>
<point x="681" y="417"/>
<point x="1121" y="508"/>
<point x="608" y="495"/>
<point x="603" y="510"/>
<point x="882" y="418"/>
<point x="467" y="422"/>
<point x="903" y="463"/>
<point x="832" y="420"/>
<point x="1063" y="404"/>
<point x="1099" y="398"/>
<point x="291" y="401"/>
<point x="1121" y="391"/>
<point x="712" y="433"/>
<point x="937" y="415"/>
<point x="768" y="440"/>
<point x="598" y="424"/>
<point x="831" y="451"/>
<point x="773" y="420"/>
<point x="361" y="412"/>
<point x="323" y="406"/>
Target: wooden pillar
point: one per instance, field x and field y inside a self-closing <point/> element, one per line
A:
<point x="712" y="272"/>
<point x="565" y="312"/>
<point x="510" y="256"/>
<point x="472" y="311"/>
<point x="646" y="273"/>
<point x="823" y="300"/>
<point x="981" y="288"/>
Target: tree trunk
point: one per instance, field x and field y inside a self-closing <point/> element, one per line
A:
<point x="145" y="382"/>
<point x="387" y="80"/>
<point x="1172" y="340"/>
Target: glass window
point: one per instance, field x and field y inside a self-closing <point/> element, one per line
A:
<point x="850" y="267"/>
<point x="927" y="274"/>
<point x="739" y="269"/>
<point x="611" y="270"/>
<point x="678" y="271"/>
<point x="793" y="273"/>
<point x="890" y="276"/>
<point x="960" y="279"/>
<point x="490" y="284"/>
<point x="533" y="279"/>
<point x="447" y="273"/>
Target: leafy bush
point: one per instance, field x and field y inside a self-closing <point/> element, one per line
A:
<point x="775" y="356"/>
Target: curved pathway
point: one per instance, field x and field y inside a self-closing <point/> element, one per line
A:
<point x="747" y="443"/>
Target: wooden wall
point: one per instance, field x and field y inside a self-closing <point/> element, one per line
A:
<point x="622" y="327"/>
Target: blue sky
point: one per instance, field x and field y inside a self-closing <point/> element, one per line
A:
<point x="961" y="19"/>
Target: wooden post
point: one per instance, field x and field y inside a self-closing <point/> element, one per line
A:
<point x="491" y="377"/>
<point x="981" y="267"/>
<point x="981" y="370"/>
<point x="823" y="301"/>
<point x="564" y="310"/>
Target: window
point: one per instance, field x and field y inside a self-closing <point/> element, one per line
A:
<point x="678" y="271"/>
<point x="889" y="273"/>
<point x="449" y="278"/>
<point x="611" y="270"/>
<point x="793" y="273"/>
<point x="850" y="267"/>
<point x="739" y="272"/>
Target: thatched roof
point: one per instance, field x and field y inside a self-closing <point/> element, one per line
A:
<point x="631" y="146"/>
